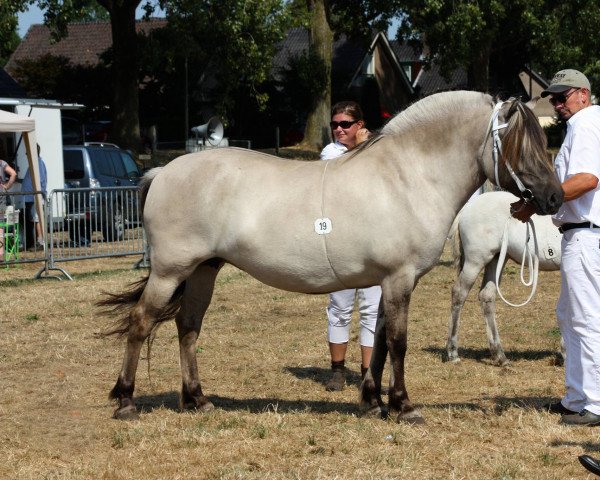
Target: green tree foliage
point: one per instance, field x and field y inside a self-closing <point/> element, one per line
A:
<point x="568" y="38"/>
<point x="52" y="76"/>
<point x="9" y="39"/>
<point x="125" y="101"/>
<point x="474" y="35"/>
<point x="229" y="46"/>
<point x="358" y="20"/>
<point x="234" y="40"/>
<point x="494" y="39"/>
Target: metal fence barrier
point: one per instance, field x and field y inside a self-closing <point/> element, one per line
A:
<point x="82" y="223"/>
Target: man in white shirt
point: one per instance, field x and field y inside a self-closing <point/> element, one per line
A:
<point x="578" y="310"/>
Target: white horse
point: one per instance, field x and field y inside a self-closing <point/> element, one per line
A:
<point x="377" y="216"/>
<point x="478" y="234"/>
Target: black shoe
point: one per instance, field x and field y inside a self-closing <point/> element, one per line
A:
<point x="590" y="464"/>
<point x="583" y="418"/>
<point x="559" y="408"/>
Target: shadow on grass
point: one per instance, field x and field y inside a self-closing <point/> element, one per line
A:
<point x="170" y="401"/>
<point x="322" y="375"/>
<point x="483" y="354"/>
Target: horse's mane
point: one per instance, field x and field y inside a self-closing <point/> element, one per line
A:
<point x="426" y="111"/>
<point x="431" y="108"/>
<point x="523" y="140"/>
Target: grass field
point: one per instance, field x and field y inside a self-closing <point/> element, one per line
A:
<point x="263" y="362"/>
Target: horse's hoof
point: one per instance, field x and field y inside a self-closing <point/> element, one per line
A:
<point x="413" y="417"/>
<point x="128" y="412"/>
<point x="501" y="362"/>
<point x="373" y="411"/>
<point x="203" y="406"/>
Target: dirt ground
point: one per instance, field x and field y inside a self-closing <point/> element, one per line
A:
<point x="263" y="362"/>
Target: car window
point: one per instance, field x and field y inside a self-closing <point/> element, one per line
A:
<point x="118" y="166"/>
<point x="73" y="164"/>
<point x="102" y="162"/>
<point x="131" y="167"/>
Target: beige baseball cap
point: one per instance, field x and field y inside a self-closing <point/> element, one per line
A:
<point x="566" y="79"/>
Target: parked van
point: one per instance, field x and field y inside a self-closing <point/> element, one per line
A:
<point x="97" y="165"/>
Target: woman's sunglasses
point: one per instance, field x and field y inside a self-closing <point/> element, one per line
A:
<point x="344" y="124"/>
<point x="561" y="97"/>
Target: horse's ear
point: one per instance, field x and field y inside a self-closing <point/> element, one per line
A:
<point x="533" y="102"/>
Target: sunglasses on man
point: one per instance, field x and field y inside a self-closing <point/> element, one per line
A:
<point x="344" y="124"/>
<point x="561" y="97"/>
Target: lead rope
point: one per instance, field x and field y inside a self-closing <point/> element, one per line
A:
<point x="532" y="262"/>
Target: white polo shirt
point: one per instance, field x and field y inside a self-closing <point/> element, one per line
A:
<point x="580" y="153"/>
<point x="333" y="150"/>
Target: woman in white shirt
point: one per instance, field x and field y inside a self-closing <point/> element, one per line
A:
<point x="348" y="127"/>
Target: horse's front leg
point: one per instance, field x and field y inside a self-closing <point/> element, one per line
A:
<point x="396" y="313"/>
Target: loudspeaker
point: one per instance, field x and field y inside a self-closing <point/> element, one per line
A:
<point x="211" y="131"/>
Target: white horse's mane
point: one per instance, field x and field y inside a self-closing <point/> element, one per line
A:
<point x="429" y="109"/>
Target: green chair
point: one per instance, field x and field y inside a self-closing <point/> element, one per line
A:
<point x="9" y="225"/>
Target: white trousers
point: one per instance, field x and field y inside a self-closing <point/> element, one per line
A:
<point x="578" y="313"/>
<point x="339" y="314"/>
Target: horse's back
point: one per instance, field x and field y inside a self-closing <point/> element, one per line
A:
<point x="253" y="210"/>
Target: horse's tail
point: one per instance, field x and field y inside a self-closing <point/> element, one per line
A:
<point x="145" y="182"/>
<point x="120" y="304"/>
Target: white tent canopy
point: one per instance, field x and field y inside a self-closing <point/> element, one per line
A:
<point x="11" y="122"/>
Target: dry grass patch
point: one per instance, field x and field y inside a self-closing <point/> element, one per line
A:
<point x="263" y="362"/>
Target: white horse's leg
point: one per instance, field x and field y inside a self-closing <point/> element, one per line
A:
<point x="464" y="282"/>
<point x="196" y="298"/>
<point x="487" y="299"/>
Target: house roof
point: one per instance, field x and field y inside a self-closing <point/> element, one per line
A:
<point x="346" y="55"/>
<point x="430" y="80"/>
<point x="9" y="88"/>
<point x="83" y="45"/>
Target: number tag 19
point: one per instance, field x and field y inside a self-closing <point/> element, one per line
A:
<point x="322" y="226"/>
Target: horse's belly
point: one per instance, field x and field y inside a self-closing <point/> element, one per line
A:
<point x="292" y="276"/>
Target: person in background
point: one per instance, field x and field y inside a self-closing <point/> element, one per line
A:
<point x="578" y="309"/>
<point x="8" y="176"/>
<point x="32" y="222"/>
<point x="349" y="131"/>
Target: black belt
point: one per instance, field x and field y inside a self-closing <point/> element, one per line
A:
<point x="570" y="226"/>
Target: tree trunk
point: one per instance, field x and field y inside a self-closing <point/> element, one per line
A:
<point x="125" y="108"/>
<point x="317" y="133"/>
<point x="479" y="70"/>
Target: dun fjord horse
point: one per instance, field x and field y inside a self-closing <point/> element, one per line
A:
<point x="481" y="227"/>
<point x="377" y="216"/>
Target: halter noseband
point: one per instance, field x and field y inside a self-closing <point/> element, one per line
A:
<point x="526" y="194"/>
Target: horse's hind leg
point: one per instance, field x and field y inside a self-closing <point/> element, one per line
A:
<point x="487" y="299"/>
<point x="196" y="299"/>
<point x="157" y="294"/>
<point x="464" y="282"/>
